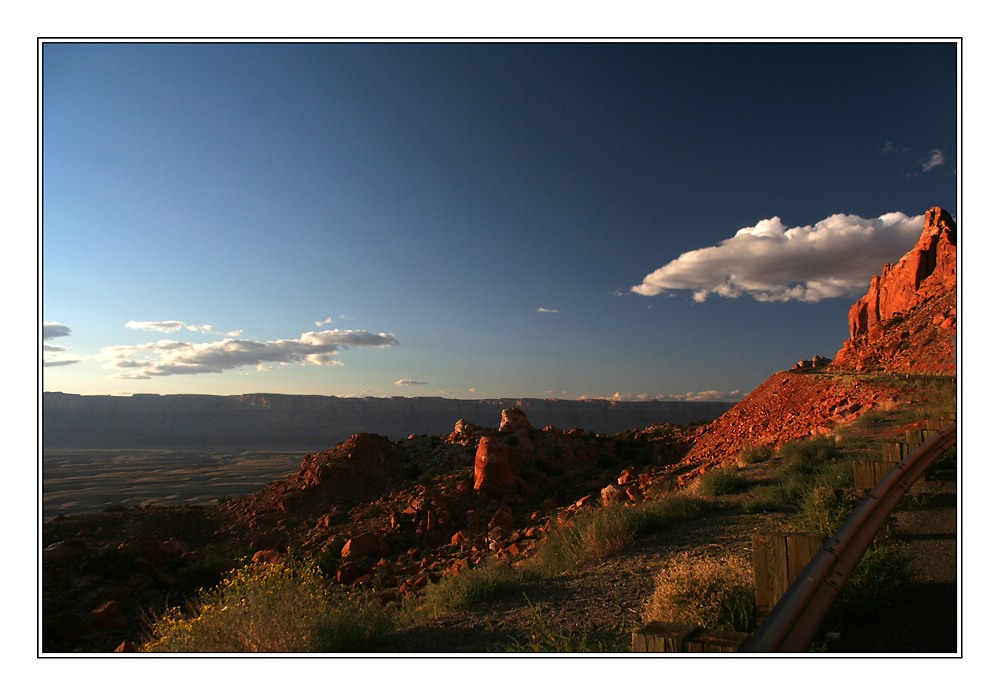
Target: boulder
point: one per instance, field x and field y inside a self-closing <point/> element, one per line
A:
<point x="612" y="494"/>
<point x="268" y="556"/>
<point x="368" y="544"/>
<point x="109" y="615"/>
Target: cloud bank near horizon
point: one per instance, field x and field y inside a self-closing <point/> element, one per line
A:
<point x="770" y="262"/>
<point x="168" y="357"/>
<point x="707" y="395"/>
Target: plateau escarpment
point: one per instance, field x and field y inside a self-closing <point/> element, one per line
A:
<point x="299" y="422"/>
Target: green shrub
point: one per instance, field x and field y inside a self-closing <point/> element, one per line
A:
<point x="755" y="454"/>
<point x="265" y="607"/>
<point x="805" y="466"/>
<point x="807" y="455"/>
<point x="470" y="586"/>
<point x="599" y="533"/>
<point x="828" y="498"/>
<point x="722" y="481"/>
<point x="881" y="577"/>
<point x="714" y="592"/>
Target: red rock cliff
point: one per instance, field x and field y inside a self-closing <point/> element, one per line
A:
<point x="907" y="321"/>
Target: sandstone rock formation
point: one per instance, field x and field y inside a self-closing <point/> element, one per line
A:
<point x="908" y="319"/>
<point x="514" y="419"/>
<point x="494" y="477"/>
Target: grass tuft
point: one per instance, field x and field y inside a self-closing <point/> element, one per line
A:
<point x="721" y="481"/>
<point x="546" y="637"/>
<point x="470" y="587"/>
<point x="714" y="592"/>
<point x="755" y="454"/>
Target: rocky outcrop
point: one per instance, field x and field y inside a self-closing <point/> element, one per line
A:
<point x="494" y="477"/>
<point x="514" y="419"/>
<point x="907" y="321"/>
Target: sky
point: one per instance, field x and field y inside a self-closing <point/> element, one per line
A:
<point x="671" y="220"/>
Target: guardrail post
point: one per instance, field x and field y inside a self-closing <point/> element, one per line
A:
<point x="777" y="561"/>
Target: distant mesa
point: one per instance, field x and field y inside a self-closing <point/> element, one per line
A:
<point x="306" y="423"/>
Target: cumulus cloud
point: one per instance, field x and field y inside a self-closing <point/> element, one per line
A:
<point x="543" y="310"/>
<point x="51" y="330"/>
<point x="935" y="159"/>
<point x="408" y="382"/>
<point x="168" y="357"/>
<point x="836" y="257"/>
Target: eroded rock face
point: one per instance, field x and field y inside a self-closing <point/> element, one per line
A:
<point x="888" y="326"/>
<point x="513" y="420"/>
<point x="494" y="477"/>
<point x="357" y="469"/>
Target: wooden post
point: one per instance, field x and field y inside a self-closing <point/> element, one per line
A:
<point x="892" y="452"/>
<point x="777" y="561"/>
<point x="662" y="636"/>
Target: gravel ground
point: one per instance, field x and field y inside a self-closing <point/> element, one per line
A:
<point x="600" y="605"/>
<point x="926" y="619"/>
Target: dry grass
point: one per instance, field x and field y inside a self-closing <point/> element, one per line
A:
<point x="271" y="608"/>
<point x="710" y="591"/>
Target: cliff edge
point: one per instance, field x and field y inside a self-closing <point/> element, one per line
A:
<point x="908" y="320"/>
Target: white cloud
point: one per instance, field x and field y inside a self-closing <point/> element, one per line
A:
<point x="935" y="159"/>
<point x="836" y="257"/>
<point x="543" y="310"/>
<point x="169" y="357"/>
<point x="173" y="326"/>
<point x="329" y="320"/>
<point x="408" y="382"/>
<point x="891" y="148"/>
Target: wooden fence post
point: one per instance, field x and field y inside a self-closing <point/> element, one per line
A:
<point x="777" y="561"/>
<point x="663" y="636"/>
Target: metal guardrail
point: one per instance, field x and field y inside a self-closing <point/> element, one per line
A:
<point x="795" y="619"/>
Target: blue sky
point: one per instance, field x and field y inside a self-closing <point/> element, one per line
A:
<point x="663" y="220"/>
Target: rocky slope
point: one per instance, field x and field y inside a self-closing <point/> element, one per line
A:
<point x="905" y="325"/>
